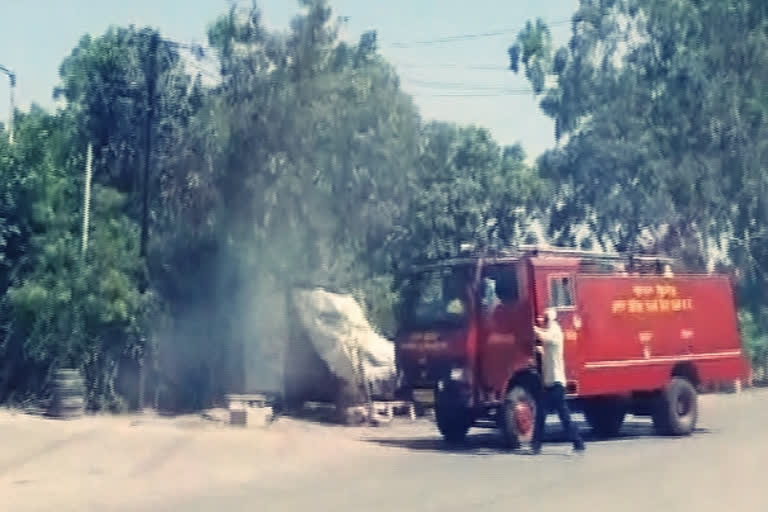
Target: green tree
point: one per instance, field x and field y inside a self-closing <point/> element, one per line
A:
<point x="60" y="307"/>
<point x="116" y="86"/>
<point x="110" y="83"/>
<point x="292" y="173"/>
<point x="466" y="189"/>
<point x="661" y="110"/>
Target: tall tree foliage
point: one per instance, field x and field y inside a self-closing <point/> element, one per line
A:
<point x="62" y="307"/>
<point x="110" y="83"/>
<point x="118" y="86"/>
<point x="293" y="173"/>
<point x="464" y="188"/>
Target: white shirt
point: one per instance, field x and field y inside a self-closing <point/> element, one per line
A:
<point x="553" y="366"/>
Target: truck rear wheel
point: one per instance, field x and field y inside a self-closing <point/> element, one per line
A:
<point x="676" y="409"/>
<point x="605" y="415"/>
<point x="451" y="414"/>
<point x="519" y="417"/>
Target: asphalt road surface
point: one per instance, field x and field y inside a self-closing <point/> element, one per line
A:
<point x="191" y="464"/>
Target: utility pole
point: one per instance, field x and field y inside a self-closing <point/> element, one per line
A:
<point x="150" y="70"/>
<point x="11" y="113"/>
<point x="87" y="198"/>
<point x="151" y="78"/>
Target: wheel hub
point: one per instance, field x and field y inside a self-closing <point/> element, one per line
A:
<point x="523" y="416"/>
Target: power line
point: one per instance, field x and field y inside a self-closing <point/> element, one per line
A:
<point x="451" y="39"/>
<point x="475" y="95"/>
<point x="466" y="37"/>
<point x="197" y="49"/>
<point x="200" y="69"/>
<point x="462" y="87"/>
<point x="453" y="65"/>
<point x="449" y="85"/>
<point x="198" y="52"/>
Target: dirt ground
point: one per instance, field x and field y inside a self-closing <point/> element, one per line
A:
<point x="104" y="462"/>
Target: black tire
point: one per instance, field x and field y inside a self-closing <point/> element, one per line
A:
<point x="676" y="409"/>
<point x="518" y="417"/>
<point x="605" y="416"/>
<point x="452" y="415"/>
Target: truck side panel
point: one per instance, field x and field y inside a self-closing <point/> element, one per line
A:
<point x="613" y="380"/>
<point x="636" y="329"/>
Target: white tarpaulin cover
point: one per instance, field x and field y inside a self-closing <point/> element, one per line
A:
<point x="339" y="331"/>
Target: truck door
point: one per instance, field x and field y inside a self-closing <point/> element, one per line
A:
<point x="561" y="295"/>
<point x="506" y="337"/>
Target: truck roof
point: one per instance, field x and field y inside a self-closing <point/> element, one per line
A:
<point x="512" y="255"/>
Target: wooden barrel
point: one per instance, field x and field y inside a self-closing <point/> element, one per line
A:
<point x="68" y="397"/>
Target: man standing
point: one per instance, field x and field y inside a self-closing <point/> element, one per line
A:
<point x="553" y="393"/>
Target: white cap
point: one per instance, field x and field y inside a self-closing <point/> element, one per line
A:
<point x="550" y="314"/>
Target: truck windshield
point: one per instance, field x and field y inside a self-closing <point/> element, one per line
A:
<point x="437" y="298"/>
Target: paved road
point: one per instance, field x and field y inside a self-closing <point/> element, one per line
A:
<point x="190" y="465"/>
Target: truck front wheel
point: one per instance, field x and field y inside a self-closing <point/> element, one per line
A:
<point x="519" y="417"/>
<point x="676" y="409"/>
<point x="605" y="415"/>
<point x="451" y="414"/>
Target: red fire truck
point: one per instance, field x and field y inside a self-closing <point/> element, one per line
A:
<point x="640" y="338"/>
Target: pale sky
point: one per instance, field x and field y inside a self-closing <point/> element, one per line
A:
<point x="461" y="79"/>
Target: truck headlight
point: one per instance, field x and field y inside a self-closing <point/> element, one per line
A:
<point x="457" y="373"/>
